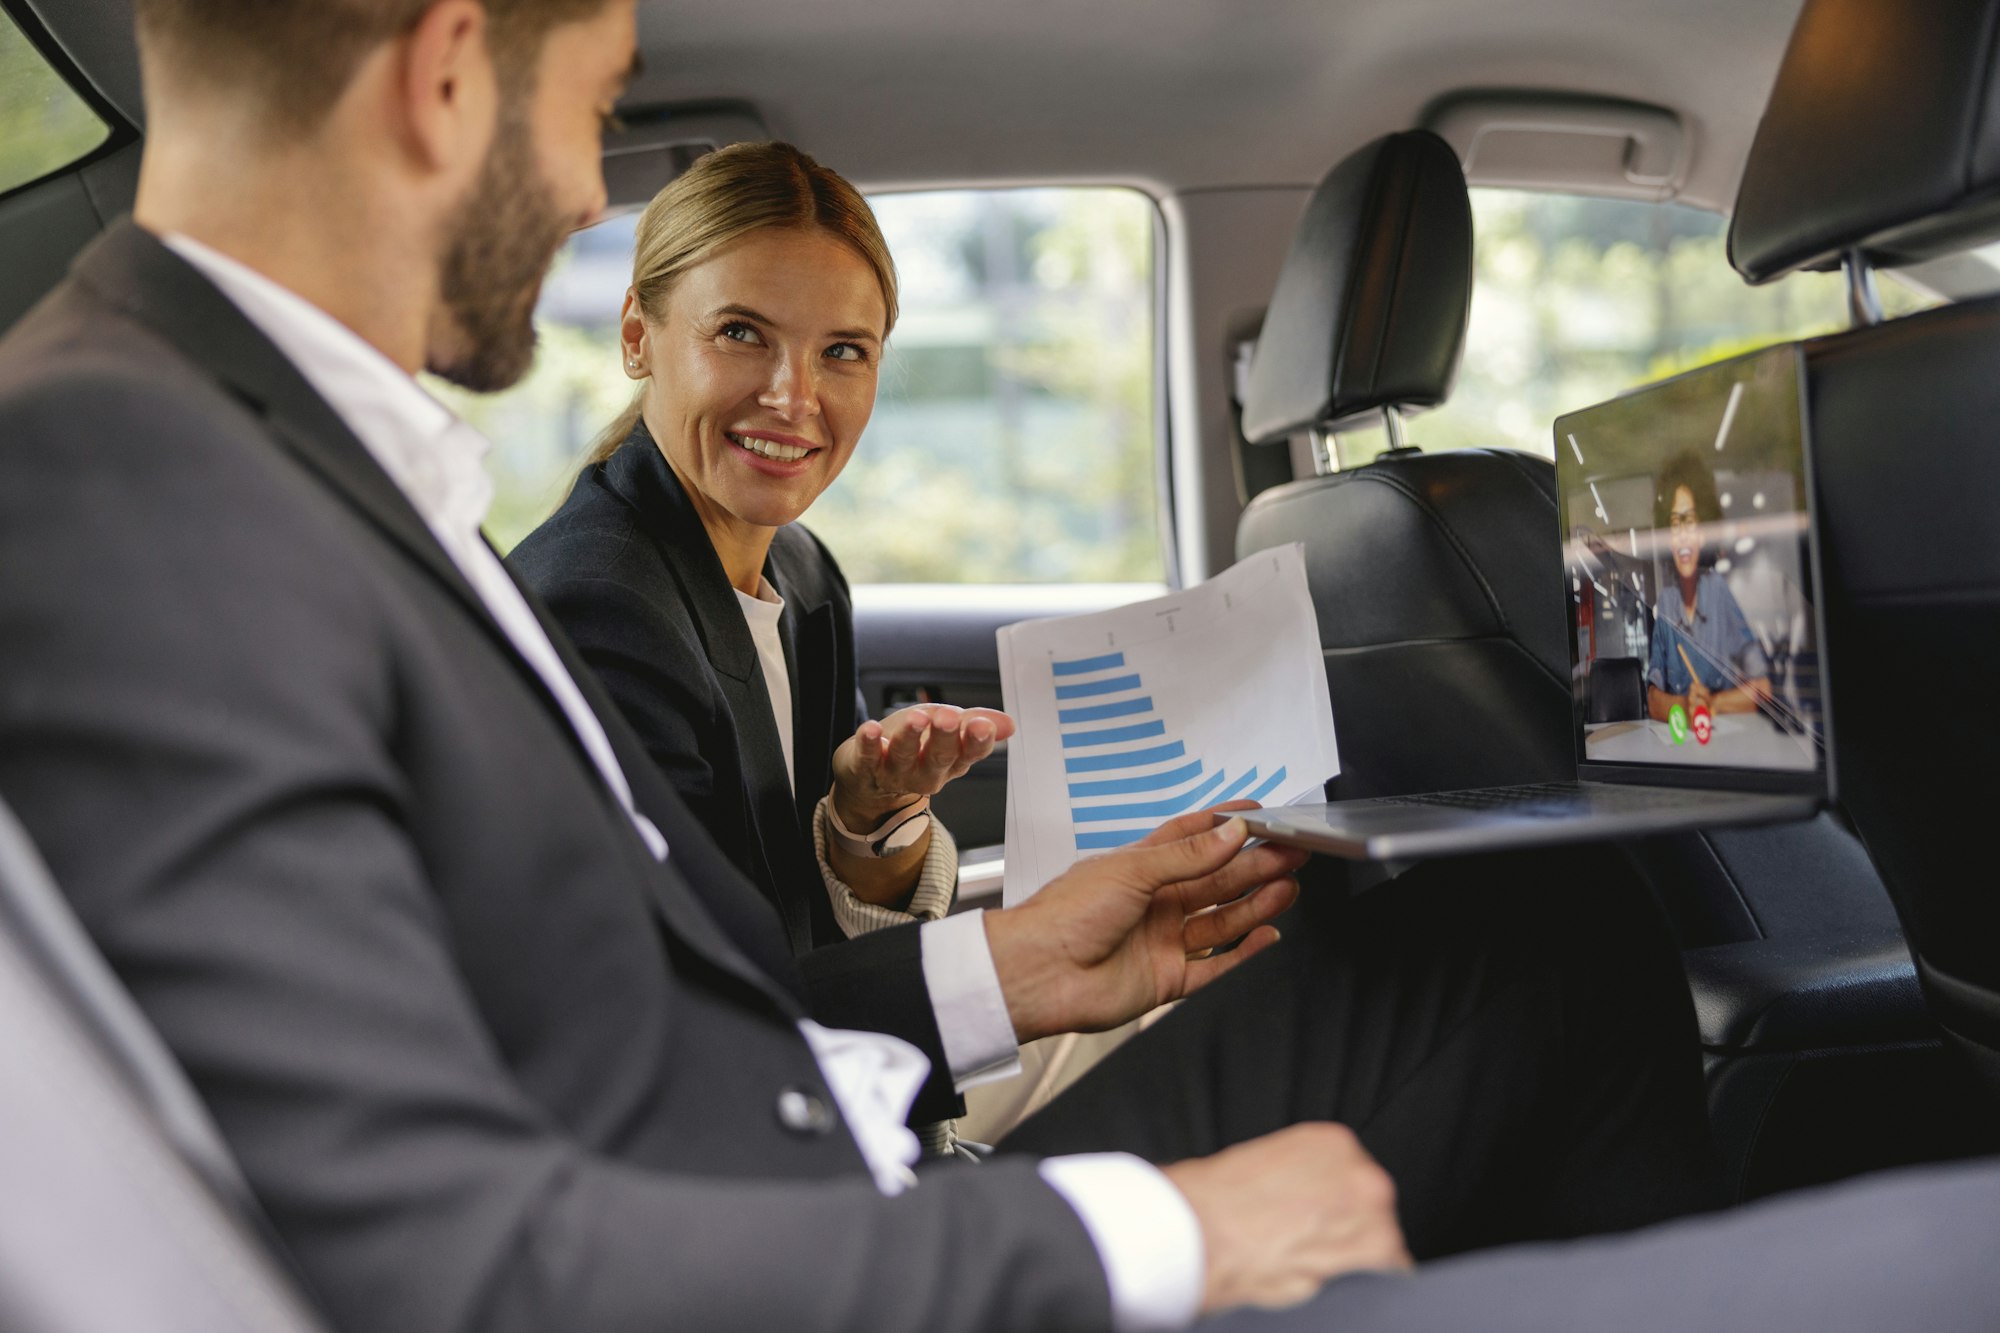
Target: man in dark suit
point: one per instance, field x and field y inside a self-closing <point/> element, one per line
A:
<point x="500" y="1039"/>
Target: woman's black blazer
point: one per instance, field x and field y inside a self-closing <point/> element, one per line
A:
<point x="628" y="570"/>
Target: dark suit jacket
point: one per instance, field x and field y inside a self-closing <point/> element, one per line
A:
<point x="486" y="1064"/>
<point x="628" y="570"/>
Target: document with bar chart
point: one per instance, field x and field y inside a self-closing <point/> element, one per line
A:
<point x="1131" y="716"/>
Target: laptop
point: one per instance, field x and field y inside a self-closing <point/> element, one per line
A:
<point x="1699" y="694"/>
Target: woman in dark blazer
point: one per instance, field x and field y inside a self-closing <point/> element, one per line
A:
<point x="761" y="297"/>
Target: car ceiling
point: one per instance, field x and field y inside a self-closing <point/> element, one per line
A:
<point x="1193" y="94"/>
<point x="1175" y="95"/>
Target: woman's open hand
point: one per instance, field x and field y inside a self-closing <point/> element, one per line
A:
<point x="912" y="752"/>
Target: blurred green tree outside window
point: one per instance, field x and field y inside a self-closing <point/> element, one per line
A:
<point x="1013" y="439"/>
<point x="1576" y="300"/>
<point x="44" y="125"/>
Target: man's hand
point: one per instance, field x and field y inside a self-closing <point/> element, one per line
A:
<point x="1125" y="932"/>
<point x="1283" y="1214"/>
<point x="912" y="752"/>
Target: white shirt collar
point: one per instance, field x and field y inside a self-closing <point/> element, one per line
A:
<point x="433" y="457"/>
<point x="765" y="604"/>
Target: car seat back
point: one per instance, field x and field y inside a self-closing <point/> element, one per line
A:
<point x="1433" y="575"/>
<point x="1881" y="145"/>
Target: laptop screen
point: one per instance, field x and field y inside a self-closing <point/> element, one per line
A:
<point x="1694" y="637"/>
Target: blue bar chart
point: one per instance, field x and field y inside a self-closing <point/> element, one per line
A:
<point x="1123" y="780"/>
<point x="1132" y="716"/>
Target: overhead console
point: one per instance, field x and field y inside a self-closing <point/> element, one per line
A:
<point x="657" y="143"/>
<point x="1549" y="141"/>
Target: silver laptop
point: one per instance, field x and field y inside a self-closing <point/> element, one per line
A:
<point x="1691" y="571"/>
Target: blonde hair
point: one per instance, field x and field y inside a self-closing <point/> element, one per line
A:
<point x="725" y="196"/>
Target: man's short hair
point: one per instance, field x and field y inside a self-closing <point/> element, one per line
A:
<point x="296" y="57"/>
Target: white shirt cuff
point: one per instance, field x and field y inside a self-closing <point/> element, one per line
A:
<point x="875" y="1079"/>
<point x="1146" y="1236"/>
<point x="971" y="1011"/>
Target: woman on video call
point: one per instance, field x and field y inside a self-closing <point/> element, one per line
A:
<point x="1704" y="654"/>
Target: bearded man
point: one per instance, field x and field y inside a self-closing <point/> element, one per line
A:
<point x="500" y="1040"/>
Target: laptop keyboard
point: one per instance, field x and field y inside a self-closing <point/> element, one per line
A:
<point x="1557" y="798"/>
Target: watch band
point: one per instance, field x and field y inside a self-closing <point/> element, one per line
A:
<point x="900" y="831"/>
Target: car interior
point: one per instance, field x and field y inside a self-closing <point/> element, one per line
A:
<point x="1315" y="179"/>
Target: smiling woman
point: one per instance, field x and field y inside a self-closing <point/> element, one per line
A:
<point x="771" y="350"/>
<point x="762" y="296"/>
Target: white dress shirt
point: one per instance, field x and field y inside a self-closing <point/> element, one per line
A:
<point x="761" y="614"/>
<point x="1145" y="1234"/>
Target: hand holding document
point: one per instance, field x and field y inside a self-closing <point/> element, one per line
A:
<point x="1131" y="716"/>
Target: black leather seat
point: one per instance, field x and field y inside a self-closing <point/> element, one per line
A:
<point x="1893" y="158"/>
<point x="1435" y="578"/>
<point x="1431" y="573"/>
<point x="1616" y="690"/>
<point x="1423" y="575"/>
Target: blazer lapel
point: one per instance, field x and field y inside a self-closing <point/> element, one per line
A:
<point x="639" y="473"/>
<point x="679" y="902"/>
<point x="809" y="656"/>
<point x="131" y="270"/>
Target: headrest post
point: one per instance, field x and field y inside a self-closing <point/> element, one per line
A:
<point x="1392" y="417"/>
<point x="1864" y="303"/>
<point x="1326" y="452"/>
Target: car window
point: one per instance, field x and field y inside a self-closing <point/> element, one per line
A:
<point x="1013" y="439"/>
<point x="1576" y="300"/>
<point x="1013" y="433"/>
<point x="44" y="124"/>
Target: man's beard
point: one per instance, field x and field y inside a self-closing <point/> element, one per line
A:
<point x="505" y="235"/>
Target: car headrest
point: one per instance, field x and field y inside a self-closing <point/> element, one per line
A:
<point x="1370" y="307"/>
<point x="1882" y="135"/>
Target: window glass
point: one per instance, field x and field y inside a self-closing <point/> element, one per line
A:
<point x="1013" y="437"/>
<point x="1013" y="434"/>
<point x="44" y="125"/>
<point x="1979" y="272"/>
<point x="1576" y="300"/>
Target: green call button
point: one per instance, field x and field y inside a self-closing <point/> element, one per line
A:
<point x="1677" y="724"/>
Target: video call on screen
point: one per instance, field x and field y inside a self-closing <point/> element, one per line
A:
<point x="1686" y="548"/>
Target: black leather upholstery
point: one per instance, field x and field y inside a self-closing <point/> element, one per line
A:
<point x="1882" y="133"/>
<point x="1909" y="487"/>
<point x="1616" y="691"/>
<point x="1807" y="992"/>
<point x="1370" y="307"/>
<point x="1434" y="578"/>
<point x="1822" y="1062"/>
